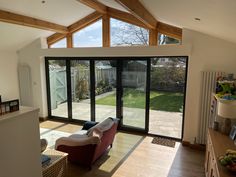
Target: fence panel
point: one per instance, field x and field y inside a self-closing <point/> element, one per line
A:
<point x="58" y="86"/>
<point x="58" y="83"/>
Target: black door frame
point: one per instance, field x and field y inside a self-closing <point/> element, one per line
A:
<point x="119" y="106"/>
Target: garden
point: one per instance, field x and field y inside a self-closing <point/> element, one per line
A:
<point x="159" y="100"/>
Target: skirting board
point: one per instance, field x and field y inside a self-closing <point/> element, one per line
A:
<point x="199" y="147"/>
<point x="41" y="119"/>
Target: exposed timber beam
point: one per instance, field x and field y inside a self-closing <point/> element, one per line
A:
<point x="106" y="31"/>
<point x="69" y="40"/>
<point x="91" y="18"/>
<point x="124" y="16"/>
<point x="163" y="28"/>
<point x="153" y="37"/>
<point x="114" y="13"/>
<point x="18" y="19"/>
<point x="139" y="11"/>
<point x="54" y="38"/>
<point x="94" y="4"/>
<point x="169" y="30"/>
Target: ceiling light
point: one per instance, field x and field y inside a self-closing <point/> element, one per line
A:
<point x="197" y="19"/>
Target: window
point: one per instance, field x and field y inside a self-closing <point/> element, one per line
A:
<point x="59" y="44"/>
<point x="125" y="34"/>
<point x="164" y="39"/>
<point x="90" y="36"/>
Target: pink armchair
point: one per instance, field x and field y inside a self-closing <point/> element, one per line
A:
<point x="85" y="148"/>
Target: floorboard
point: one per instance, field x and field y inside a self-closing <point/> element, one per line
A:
<point x="135" y="156"/>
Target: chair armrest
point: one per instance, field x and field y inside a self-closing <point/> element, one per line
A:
<point x="89" y="124"/>
<point x="70" y="141"/>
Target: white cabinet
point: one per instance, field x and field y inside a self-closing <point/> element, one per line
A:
<point x="20" y="144"/>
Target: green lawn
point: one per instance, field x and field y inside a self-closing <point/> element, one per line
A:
<point x="163" y="101"/>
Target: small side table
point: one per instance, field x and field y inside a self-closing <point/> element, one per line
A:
<point x="57" y="165"/>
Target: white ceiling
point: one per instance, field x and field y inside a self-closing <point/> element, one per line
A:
<point x="217" y="17"/>
<point x="14" y="37"/>
<point x="64" y="12"/>
<point x="113" y="4"/>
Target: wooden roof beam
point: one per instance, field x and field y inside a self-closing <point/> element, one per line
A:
<point x="18" y="19"/>
<point x="114" y="13"/>
<point x="139" y="11"/>
<point x="89" y="19"/>
<point x="94" y="4"/>
<point x="169" y="30"/>
<point x="124" y="16"/>
<point x="54" y="38"/>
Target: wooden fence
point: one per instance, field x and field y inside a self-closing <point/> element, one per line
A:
<point x="58" y="83"/>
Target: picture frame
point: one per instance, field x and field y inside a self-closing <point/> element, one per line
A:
<point x="232" y="134"/>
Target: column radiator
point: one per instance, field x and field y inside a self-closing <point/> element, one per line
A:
<point x="208" y="86"/>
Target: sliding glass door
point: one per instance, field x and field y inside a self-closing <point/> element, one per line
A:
<point x="134" y="74"/>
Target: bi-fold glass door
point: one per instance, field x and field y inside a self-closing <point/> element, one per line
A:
<point x="81" y="89"/>
<point x="146" y="93"/>
<point x="105" y="72"/>
<point x="56" y="71"/>
<point x="134" y="97"/>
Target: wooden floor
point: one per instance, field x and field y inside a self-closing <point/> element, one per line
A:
<point x="135" y="156"/>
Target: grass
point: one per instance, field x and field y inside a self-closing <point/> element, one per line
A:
<point x="163" y="101"/>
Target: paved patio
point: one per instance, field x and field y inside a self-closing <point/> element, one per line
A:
<point x="161" y="122"/>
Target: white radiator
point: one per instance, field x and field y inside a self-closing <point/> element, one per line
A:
<point x="208" y="86"/>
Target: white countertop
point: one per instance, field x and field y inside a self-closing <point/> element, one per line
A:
<point x="23" y="110"/>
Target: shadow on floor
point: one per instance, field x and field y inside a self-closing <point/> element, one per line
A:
<point x="107" y="164"/>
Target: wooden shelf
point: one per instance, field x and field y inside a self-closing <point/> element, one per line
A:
<point x="217" y="144"/>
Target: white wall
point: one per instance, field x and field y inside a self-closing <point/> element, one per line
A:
<point x="33" y="56"/>
<point x="205" y="53"/>
<point x="208" y="54"/>
<point x="30" y="55"/>
<point x="9" y="88"/>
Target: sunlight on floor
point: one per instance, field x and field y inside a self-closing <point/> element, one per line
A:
<point x="121" y="150"/>
<point x="155" y="158"/>
<point x="133" y="156"/>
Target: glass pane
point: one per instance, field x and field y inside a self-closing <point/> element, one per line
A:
<point x="167" y="96"/>
<point x="134" y="93"/>
<point x="80" y="89"/>
<point x="59" y="44"/>
<point x="105" y="77"/>
<point x="125" y="34"/>
<point x="164" y="40"/>
<point x="90" y="36"/>
<point x="58" y="88"/>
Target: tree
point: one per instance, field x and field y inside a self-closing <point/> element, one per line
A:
<point x="164" y="39"/>
<point x="125" y="34"/>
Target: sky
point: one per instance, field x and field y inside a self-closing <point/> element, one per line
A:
<point x="91" y="36"/>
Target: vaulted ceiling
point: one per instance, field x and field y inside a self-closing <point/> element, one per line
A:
<point x="217" y="17"/>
